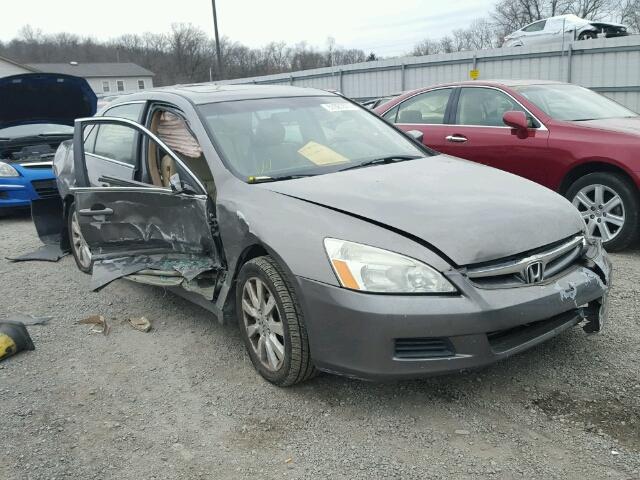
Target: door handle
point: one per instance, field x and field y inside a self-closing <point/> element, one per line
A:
<point x="455" y="138"/>
<point x="87" y="212"/>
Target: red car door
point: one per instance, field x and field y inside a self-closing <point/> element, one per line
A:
<point x="425" y="112"/>
<point x="478" y="133"/>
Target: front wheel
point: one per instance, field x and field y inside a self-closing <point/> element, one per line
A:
<point x="271" y="323"/>
<point x="79" y="248"/>
<point x="609" y="205"/>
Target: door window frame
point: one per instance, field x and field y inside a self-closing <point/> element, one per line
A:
<point x="80" y="164"/>
<point x="454" y="109"/>
<point x="97" y="132"/>
<point x="447" y="110"/>
<point x="543" y="21"/>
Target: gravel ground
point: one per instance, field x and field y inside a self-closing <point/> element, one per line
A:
<point x="183" y="400"/>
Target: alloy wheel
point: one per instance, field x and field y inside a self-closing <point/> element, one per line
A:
<point x="602" y="210"/>
<point x="263" y="323"/>
<point x="83" y="254"/>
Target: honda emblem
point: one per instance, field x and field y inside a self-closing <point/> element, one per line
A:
<point x="534" y="272"/>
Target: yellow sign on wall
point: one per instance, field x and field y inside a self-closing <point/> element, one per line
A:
<point x="474" y="74"/>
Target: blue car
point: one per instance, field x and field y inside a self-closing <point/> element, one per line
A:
<point x="37" y="112"/>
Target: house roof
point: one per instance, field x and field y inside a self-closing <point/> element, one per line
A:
<point x="13" y="62"/>
<point x="88" y="70"/>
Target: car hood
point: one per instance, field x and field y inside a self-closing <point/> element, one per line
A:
<point x="629" y="125"/>
<point x="469" y="212"/>
<point x="44" y="98"/>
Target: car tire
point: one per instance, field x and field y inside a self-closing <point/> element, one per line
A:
<point x="79" y="248"/>
<point x="271" y="323"/>
<point x="587" y="36"/>
<point x="597" y="218"/>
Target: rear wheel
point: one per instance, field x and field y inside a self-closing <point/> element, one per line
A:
<point x="271" y="323"/>
<point x="79" y="247"/>
<point x="587" y="35"/>
<point x="609" y="206"/>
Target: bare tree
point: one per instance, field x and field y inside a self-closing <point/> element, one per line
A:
<point x="628" y="12"/>
<point x="427" y="47"/>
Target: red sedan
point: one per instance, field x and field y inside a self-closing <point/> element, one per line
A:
<point x="565" y="137"/>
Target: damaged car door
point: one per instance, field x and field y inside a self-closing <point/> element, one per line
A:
<point x="133" y="228"/>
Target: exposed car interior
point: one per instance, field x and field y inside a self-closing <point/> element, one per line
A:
<point x="171" y="128"/>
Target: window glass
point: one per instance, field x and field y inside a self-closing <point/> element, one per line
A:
<point x="141" y="85"/>
<point x="120" y="85"/>
<point x="106" y="87"/>
<point x="535" y="27"/>
<point x="484" y="106"/>
<point x="130" y="111"/>
<point x="90" y="138"/>
<point x="429" y="107"/>
<point x="571" y="102"/>
<point x="391" y="114"/>
<point x="300" y="136"/>
<point x="117" y="142"/>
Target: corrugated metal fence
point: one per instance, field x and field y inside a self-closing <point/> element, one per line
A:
<point x="610" y="66"/>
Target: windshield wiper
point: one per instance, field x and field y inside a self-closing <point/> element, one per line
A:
<point x="266" y="179"/>
<point x="382" y="161"/>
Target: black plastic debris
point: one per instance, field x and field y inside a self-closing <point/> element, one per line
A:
<point x="46" y="253"/>
<point x="14" y="338"/>
<point x="47" y="216"/>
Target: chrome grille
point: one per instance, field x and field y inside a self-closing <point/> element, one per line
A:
<point x="531" y="268"/>
<point x="37" y="165"/>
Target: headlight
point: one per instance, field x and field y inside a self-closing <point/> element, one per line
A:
<point x="370" y="269"/>
<point x="7" y="170"/>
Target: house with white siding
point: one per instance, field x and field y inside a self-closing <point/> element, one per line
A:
<point x="105" y="78"/>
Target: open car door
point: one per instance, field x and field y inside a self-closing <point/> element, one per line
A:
<point x="145" y="232"/>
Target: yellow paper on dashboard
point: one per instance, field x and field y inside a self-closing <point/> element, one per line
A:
<point x="321" y="154"/>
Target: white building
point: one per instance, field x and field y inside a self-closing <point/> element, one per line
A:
<point x="105" y="78"/>
<point x="9" y="67"/>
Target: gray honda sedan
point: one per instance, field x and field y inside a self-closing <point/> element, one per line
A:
<point x="335" y="241"/>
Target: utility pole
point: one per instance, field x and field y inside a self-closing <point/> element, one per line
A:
<point x="215" y="29"/>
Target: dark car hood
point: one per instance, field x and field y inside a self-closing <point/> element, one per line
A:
<point x="470" y="212"/>
<point x="623" y="125"/>
<point x="44" y="98"/>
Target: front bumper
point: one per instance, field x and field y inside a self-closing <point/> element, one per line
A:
<point x="19" y="191"/>
<point x="368" y="336"/>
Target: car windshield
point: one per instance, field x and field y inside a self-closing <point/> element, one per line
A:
<point x="295" y="136"/>
<point x="573" y="103"/>
<point x="20" y="131"/>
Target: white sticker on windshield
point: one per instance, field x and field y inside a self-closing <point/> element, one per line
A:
<point x="338" y="107"/>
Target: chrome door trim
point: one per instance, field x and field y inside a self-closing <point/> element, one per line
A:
<point x="112" y="160"/>
<point x="166" y="191"/>
<point x="542" y="127"/>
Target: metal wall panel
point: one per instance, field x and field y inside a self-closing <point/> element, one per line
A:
<point x="611" y="66"/>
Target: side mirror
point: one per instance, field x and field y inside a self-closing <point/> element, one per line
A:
<point x="417" y="135"/>
<point x="517" y="121"/>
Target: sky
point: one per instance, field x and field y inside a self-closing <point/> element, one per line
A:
<point x="385" y="27"/>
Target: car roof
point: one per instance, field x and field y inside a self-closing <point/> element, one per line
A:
<point x="497" y="83"/>
<point x="202" y="93"/>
